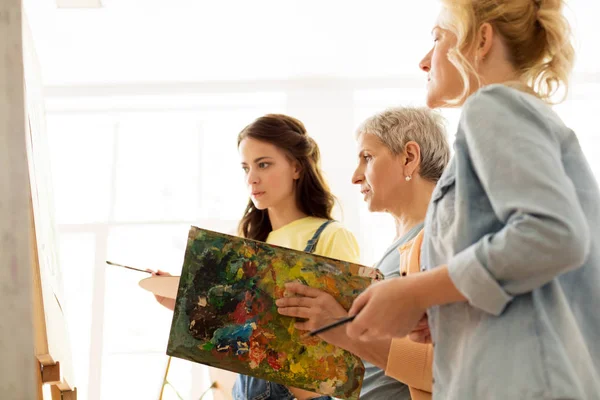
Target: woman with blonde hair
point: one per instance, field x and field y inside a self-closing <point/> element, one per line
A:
<point x="511" y="250"/>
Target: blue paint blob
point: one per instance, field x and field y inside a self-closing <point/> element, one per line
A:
<point x="233" y="337"/>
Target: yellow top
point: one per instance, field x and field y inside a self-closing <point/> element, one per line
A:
<point x="335" y="241"/>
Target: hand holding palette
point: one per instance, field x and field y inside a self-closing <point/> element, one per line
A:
<point x="225" y="314"/>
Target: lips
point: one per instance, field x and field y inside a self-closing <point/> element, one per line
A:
<point x="257" y="194"/>
<point x="365" y="192"/>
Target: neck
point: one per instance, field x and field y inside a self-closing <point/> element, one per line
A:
<point x="410" y="214"/>
<point x="283" y="215"/>
<point x="499" y="72"/>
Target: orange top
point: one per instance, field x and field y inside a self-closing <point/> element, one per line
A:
<point x="408" y="361"/>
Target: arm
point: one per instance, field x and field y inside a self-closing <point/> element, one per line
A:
<point x="517" y="158"/>
<point x="411" y="296"/>
<point x="375" y="351"/>
<point x="411" y="363"/>
<point x="319" y="308"/>
<point x="402" y="359"/>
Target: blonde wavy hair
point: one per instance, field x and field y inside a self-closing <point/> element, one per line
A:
<point x="536" y="34"/>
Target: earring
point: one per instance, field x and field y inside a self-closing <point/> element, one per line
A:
<point x="408" y="178"/>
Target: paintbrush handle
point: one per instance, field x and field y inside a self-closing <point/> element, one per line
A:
<point x="125" y="266"/>
<point x="333" y="325"/>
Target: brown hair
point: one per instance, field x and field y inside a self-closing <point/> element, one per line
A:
<point x="312" y="192"/>
<point x="536" y="35"/>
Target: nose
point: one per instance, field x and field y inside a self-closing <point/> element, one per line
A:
<point x="358" y="176"/>
<point x="425" y="63"/>
<point x="252" y="178"/>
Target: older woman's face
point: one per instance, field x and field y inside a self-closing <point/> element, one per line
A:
<point x="379" y="174"/>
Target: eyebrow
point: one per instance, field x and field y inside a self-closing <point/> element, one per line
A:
<point x="363" y="150"/>
<point x="259" y="159"/>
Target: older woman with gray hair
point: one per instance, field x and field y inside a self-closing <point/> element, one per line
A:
<point x="402" y="153"/>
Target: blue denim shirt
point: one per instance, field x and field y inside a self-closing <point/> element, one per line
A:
<point x="516" y="217"/>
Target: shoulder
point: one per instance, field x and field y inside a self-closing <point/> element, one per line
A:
<point x="502" y="101"/>
<point x="339" y="242"/>
<point x="493" y="101"/>
<point x="503" y="113"/>
<point x="498" y="93"/>
<point x="336" y="229"/>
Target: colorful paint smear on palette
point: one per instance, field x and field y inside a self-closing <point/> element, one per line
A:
<point x="225" y="314"/>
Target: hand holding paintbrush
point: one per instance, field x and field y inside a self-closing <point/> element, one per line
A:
<point x="164" y="301"/>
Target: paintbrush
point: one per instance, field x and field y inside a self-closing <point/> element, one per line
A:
<point x="125" y="266"/>
<point x="325" y="328"/>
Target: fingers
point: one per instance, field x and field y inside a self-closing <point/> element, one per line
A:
<point x="303" y="326"/>
<point x="421" y="332"/>
<point x="158" y="272"/>
<point x="422" y="336"/>
<point x="298" y="288"/>
<point x="294" y="302"/>
<point x="423" y="323"/>
<point x="296" y="312"/>
<point x="358" y="329"/>
<point x="359" y="303"/>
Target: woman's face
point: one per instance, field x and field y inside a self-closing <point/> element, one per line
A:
<point x="270" y="175"/>
<point x="444" y="82"/>
<point x="379" y="173"/>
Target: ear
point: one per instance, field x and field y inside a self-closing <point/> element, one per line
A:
<point x="485" y="38"/>
<point x="297" y="170"/>
<point x="412" y="158"/>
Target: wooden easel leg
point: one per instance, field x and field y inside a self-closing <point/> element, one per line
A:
<point x="38" y="377"/>
<point x="60" y="393"/>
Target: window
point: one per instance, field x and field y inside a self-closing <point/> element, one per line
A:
<point x="133" y="172"/>
<point x="130" y="179"/>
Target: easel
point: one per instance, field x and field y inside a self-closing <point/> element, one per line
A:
<point x="32" y="318"/>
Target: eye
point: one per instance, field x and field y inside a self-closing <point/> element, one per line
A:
<point x="246" y="169"/>
<point x="367" y="157"/>
<point x="263" y="165"/>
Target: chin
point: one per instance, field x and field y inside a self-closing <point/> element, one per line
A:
<point x="372" y="208"/>
<point x="259" y="205"/>
<point x="433" y="101"/>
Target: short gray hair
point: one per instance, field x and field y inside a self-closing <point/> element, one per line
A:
<point x="397" y="126"/>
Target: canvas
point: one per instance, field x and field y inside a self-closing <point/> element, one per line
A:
<point x="225" y="314"/>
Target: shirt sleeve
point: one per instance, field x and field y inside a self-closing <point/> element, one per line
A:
<point x="338" y="242"/>
<point x="411" y="363"/>
<point x="516" y="154"/>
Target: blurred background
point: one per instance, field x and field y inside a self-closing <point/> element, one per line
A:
<point x="144" y="100"/>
